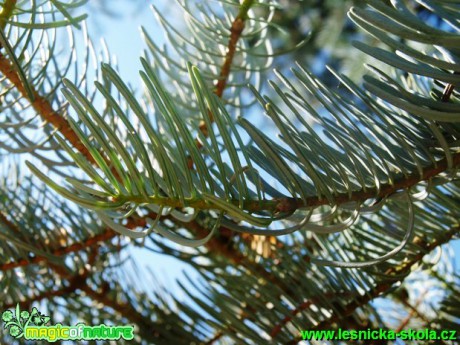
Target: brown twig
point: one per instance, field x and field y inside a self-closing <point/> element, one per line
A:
<point x="10" y="225"/>
<point x="236" y="31"/>
<point x="90" y="242"/>
<point x="44" y="108"/>
<point x="215" y="338"/>
<point x="413" y="311"/>
<point x="75" y="281"/>
<point x="447" y="93"/>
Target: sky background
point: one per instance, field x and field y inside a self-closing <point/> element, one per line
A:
<point x="122" y="33"/>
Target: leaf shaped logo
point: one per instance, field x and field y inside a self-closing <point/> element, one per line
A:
<point x="17" y="321"/>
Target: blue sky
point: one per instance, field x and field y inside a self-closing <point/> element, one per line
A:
<point x="122" y="34"/>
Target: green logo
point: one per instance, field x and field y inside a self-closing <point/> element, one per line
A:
<point x="33" y="326"/>
<point x="15" y="323"/>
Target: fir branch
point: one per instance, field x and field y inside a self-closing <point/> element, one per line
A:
<point x="290" y="205"/>
<point x="78" y="282"/>
<point x="75" y="283"/>
<point x="49" y="114"/>
<point x="383" y="287"/>
<point x="223" y="245"/>
<point x="217" y="245"/>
